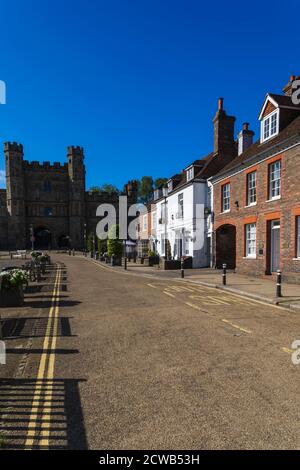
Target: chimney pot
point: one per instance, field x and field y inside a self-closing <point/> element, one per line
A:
<point x="245" y="138"/>
<point x="292" y="78"/>
<point x="220" y="104"/>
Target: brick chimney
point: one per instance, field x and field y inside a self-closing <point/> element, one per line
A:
<point x="245" y="138"/>
<point x="223" y="131"/>
<point x="287" y="89"/>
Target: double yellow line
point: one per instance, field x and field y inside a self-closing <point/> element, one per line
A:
<point x="45" y="376"/>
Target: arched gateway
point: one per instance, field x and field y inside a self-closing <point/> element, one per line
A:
<point x="226" y="246"/>
<point x="42" y="237"/>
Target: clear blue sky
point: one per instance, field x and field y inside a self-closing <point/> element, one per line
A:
<point x="136" y="82"/>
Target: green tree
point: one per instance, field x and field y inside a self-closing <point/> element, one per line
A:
<point x="102" y="246"/>
<point x="90" y="242"/>
<point x="160" y="182"/>
<point x="105" y="188"/>
<point x="145" y="189"/>
<point x="114" y="244"/>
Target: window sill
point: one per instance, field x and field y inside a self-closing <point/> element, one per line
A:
<point x="296" y="259"/>
<point x="251" y="205"/>
<point x="274" y="199"/>
<point x="225" y="212"/>
<point x="249" y="257"/>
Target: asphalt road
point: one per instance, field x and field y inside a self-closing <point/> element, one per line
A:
<point x="100" y="359"/>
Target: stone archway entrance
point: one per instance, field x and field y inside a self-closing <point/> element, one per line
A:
<point x="64" y="241"/>
<point x="42" y="237"/>
<point x="226" y="246"/>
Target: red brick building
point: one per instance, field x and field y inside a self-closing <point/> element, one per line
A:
<point x="256" y="197"/>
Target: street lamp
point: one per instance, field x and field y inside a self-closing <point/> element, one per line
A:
<point x="32" y="239"/>
<point x="165" y="194"/>
<point x="84" y="237"/>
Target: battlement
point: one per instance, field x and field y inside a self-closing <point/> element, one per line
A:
<point x="13" y="147"/>
<point x="35" y="165"/>
<point x="101" y="196"/>
<point x="75" y="150"/>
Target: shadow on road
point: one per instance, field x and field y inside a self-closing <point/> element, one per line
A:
<point x="32" y="327"/>
<point x="57" y="414"/>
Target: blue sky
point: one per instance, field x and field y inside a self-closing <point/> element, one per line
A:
<point x="136" y="82"/>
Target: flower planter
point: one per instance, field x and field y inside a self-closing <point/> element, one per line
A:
<point x="13" y="297"/>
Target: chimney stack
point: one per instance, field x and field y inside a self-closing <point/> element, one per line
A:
<point x="287" y="89"/>
<point x="223" y="131"/>
<point x="245" y="138"/>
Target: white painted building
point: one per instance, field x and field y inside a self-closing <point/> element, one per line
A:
<point x="182" y="217"/>
<point x="183" y="212"/>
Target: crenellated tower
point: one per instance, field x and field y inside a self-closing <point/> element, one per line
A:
<point x="15" y="194"/>
<point x="76" y="171"/>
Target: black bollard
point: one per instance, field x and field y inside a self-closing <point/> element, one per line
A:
<point x="182" y="269"/>
<point x="224" y="274"/>
<point x="278" y="283"/>
<point x="125" y="262"/>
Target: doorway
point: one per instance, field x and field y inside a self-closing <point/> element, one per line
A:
<point x="226" y="246"/>
<point x="274" y="245"/>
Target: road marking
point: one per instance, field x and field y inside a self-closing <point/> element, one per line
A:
<point x="169" y="294"/>
<point x="287" y="350"/>
<point x="236" y="326"/>
<point x="36" y="403"/>
<point x="151" y="285"/>
<point x="193" y="306"/>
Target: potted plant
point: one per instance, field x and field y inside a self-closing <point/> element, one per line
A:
<point x="11" y="287"/>
<point x="115" y="246"/>
<point x="35" y="254"/>
<point x="42" y="260"/>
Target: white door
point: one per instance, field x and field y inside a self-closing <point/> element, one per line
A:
<point x="275" y="245"/>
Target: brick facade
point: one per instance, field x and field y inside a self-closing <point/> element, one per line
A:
<point x="285" y="209"/>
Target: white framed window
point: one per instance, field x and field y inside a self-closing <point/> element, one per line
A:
<point x="145" y="222"/>
<point x="250" y="239"/>
<point x="226" y="197"/>
<point x="270" y="126"/>
<point x="275" y="180"/>
<point x="190" y="174"/>
<point x="170" y="186"/>
<point x="180" y="206"/>
<point x="251" y="188"/>
<point x="154" y="220"/>
<point x="298" y="235"/>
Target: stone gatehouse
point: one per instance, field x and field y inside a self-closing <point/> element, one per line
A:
<point x="50" y="201"/>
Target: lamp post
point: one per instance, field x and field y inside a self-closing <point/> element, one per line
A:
<point x="32" y="239"/>
<point x="165" y="194"/>
<point x="94" y="244"/>
<point x="84" y="237"/>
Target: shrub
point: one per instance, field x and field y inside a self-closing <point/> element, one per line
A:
<point x="14" y="278"/>
<point x="114" y="244"/>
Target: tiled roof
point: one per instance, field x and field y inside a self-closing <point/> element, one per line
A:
<point x="258" y="151"/>
<point x="283" y="100"/>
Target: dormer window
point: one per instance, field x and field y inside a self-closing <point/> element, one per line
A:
<point x="190" y="173"/>
<point x="170" y="186"/>
<point x="270" y="126"/>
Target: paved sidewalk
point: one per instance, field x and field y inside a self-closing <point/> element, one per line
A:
<point x="253" y="287"/>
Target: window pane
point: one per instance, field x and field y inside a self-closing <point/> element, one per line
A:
<point x="250" y="231"/>
<point x="251" y="188"/>
<point x="275" y="179"/>
<point x="226" y="197"/>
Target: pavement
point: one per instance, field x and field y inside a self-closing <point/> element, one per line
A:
<point x="260" y="288"/>
<point x="100" y="358"/>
